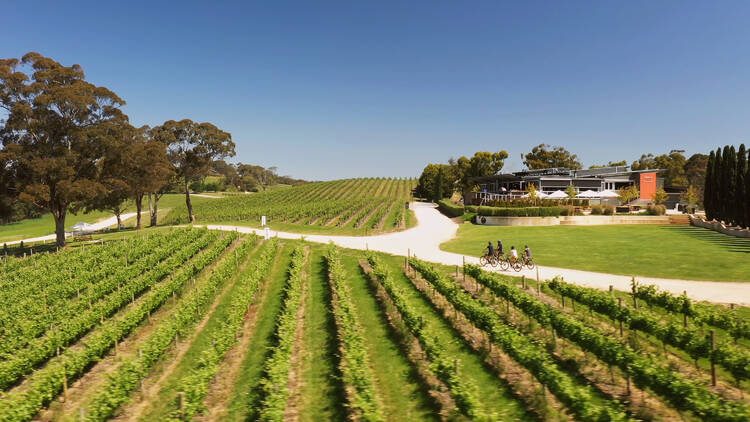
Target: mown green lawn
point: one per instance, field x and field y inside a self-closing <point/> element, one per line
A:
<point x="45" y="225"/>
<point x="683" y="252"/>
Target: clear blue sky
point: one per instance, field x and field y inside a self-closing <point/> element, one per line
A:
<point x="328" y="90"/>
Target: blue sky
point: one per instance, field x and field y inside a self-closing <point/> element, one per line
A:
<point x="327" y="90"/>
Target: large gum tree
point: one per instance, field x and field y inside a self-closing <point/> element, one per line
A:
<point x="192" y="148"/>
<point x="55" y="132"/>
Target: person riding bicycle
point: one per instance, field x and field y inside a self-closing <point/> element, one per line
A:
<point x="527" y="252"/>
<point x="499" y="251"/>
<point x="513" y="253"/>
<point x="490" y="249"/>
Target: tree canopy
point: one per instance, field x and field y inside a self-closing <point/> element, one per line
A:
<point x="543" y="156"/>
<point x="192" y="148"/>
<point x="57" y="131"/>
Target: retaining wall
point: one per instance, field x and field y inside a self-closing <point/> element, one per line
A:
<point x="573" y="220"/>
<point x="719" y="227"/>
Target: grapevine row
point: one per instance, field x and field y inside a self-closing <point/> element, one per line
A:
<point x="526" y="352"/>
<point x="682" y="393"/>
<point x="46" y="383"/>
<point x="193" y="305"/>
<point x="195" y="384"/>
<point x="275" y="383"/>
<point x="354" y="365"/>
<point x="463" y="391"/>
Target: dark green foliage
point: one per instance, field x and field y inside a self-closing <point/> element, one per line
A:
<point x="450" y="209"/>
<point x="727" y="187"/>
<point x="520" y="212"/>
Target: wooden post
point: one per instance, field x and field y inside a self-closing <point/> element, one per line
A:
<point x="116" y="348"/>
<point x="627" y="383"/>
<point x="713" y="365"/>
<point x="619" y="303"/>
<point x="563" y="301"/>
<point x="182" y="405"/>
<point x="65" y="385"/>
<point x="523" y="281"/>
<point x="456" y="271"/>
<point x="684" y="316"/>
<point x="610" y="289"/>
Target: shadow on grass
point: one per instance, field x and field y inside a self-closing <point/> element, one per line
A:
<point x="730" y="243"/>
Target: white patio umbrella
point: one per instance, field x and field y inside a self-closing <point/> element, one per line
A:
<point x="588" y="194"/>
<point x="539" y="195"/>
<point x="608" y="194"/>
<point x="558" y="194"/>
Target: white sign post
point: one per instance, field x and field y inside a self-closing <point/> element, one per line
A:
<point x="262" y="220"/>
<point x="268" y="233"/>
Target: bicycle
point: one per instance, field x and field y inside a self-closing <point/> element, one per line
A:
<point x="503" y="262"/>
<point x="529" y="263"/>
<point x="516" y="264"/>
<point x="484" y="260"/>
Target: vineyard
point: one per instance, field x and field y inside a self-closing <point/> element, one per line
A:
<point x="190" y="324"/>
<point x="350" y="206"/>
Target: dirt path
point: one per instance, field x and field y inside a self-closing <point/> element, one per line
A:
<point x="434" y="228"/>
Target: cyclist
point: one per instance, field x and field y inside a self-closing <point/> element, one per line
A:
<point x="513" y="254"/>
<point x="490" y="250"/>
<point x="499" y="251"/>
<point x="527" y="252"/>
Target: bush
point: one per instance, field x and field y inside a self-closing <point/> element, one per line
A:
<point x="609" y="210"/>
<point x="568" y="210"/>
<point x="656" y="210"/>
<point x="597" y="210"/>
<point x="450" y="209"/>
<point x="468" y="216"/>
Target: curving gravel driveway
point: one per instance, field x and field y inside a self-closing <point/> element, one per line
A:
<point x="434" y="228"/>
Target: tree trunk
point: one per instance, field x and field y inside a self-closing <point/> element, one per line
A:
<point x="187" y="201"/>
<point x="60" y="227"/>
<point x="118" y="213"/>
<point x="138" y="207"/>
<point x="150" y="206"/>
<point x="155" y="210"/>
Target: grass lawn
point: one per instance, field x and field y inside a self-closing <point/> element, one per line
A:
<point x="682" y="252"/>
<point x="45" y="225"/>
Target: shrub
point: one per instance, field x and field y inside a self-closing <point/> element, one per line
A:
<point x="609" y="210"/>
<point x="597" y="209"/>
<point x="568" y="210"/>
<point x="656" y="210"/>
<point x="450" y="209"/>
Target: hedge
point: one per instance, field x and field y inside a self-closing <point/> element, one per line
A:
<point x="519" y="212"/>
<point x="450" y="209"/>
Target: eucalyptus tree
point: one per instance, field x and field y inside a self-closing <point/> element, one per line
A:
<point x="192" y="148"/>
<point x="57" y="129"/>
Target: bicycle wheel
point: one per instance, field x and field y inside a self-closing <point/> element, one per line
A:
<point x="494" y="261"/>
<point x="504" y="265"/>
<point x="530" y="264"/>
<point x="517" y="265"/>
<point x="482" y="261"/>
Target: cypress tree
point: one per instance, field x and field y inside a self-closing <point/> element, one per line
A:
<point x="746" y="195"/>
<point x="716" y="185"/>
<point x="708" y="204"/>
<point x="740" y="203"/>
<point x="731" y="203"/>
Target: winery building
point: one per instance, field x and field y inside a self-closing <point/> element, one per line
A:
<point x="506" y="186"/>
